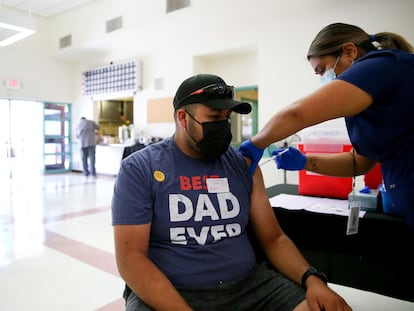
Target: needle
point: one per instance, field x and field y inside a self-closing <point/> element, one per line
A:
<point x="268" y="160"/>
<point x="274" y="156"/>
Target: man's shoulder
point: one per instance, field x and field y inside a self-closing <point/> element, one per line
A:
<point x="233" y="159"/>
<point x="163" y="144"/>
<point x="234" y="153"/>
<point x="155" y="150"/>
<point x="92" y="122"/>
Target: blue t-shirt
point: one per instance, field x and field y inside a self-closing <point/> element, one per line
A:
<point x="385" y="130"/>
<point x="198" y="210"/>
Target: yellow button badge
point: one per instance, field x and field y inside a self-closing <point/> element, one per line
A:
<point x="159" y="176"/>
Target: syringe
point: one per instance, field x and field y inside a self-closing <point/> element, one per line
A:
<point x="274" y="156"/>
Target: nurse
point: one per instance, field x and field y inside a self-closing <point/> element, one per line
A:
<point x="370" y="82"/>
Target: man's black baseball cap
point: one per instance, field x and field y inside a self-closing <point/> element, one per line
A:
<point x="211" y="91"/>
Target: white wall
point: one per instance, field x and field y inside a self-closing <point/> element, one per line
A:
<point x="248" y="42"/>
<point x="42" y="77"/>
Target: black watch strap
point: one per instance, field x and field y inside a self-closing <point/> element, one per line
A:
<point x="313" y="271"/>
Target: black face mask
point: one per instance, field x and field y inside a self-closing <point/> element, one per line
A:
<point x="216" y="140"/>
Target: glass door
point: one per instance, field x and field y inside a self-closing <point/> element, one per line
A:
<point x="5" y="140"/>
<point x="21" y="135"/>
<point x="57" y="143"/>
<point x="34" y="138"/>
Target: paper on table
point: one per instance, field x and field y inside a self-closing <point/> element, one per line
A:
<point x="312" y="204"/>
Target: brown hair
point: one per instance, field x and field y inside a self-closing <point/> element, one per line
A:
<point x="330" y="39"/>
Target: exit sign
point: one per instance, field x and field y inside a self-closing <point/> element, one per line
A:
<point x="13" y="84"/>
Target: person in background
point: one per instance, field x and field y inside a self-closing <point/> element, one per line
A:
<point x="370" y="82"/>
<point x="88" y="134"/>
<point x="181" y="209"/>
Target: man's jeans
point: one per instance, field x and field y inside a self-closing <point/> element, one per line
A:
<point x="264" y="289"/>
<point x="88" y="153"/>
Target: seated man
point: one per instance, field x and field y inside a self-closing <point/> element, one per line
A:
<point x="180" y="212"/>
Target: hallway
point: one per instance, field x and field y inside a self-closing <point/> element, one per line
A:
<point x="56" y="245"/>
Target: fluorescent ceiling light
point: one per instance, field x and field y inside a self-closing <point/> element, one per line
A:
<point x="15" y="26"/>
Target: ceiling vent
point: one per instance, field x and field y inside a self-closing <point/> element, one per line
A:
<point x="114" y="24"/>
<point x="173" y="5"/>
<point x="65" y="41"/>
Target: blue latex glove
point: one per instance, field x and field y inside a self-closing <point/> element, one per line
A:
<point x="365" y="190"/>
<point x="250" y="151"/>
<point x="290" y="159"/>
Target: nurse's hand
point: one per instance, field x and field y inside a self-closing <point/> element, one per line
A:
<point x="290" y="159"/>
<point x="252" y="152"/>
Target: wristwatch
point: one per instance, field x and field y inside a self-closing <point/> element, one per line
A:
<point x="312" y="271"/>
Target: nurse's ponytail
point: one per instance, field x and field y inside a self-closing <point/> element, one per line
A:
<point x="390" y="40"/>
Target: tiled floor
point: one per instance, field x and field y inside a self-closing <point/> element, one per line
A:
<point x="56" y="248"/>
<point x="56" y="245"/>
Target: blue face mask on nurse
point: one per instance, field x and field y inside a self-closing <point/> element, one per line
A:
<point x="330" y="74"/>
